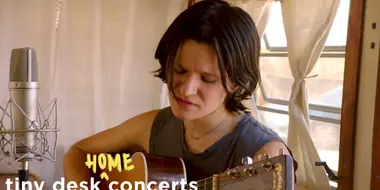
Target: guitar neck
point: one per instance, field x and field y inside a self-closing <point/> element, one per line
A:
<point x="203" y="184"/>
<point x="272" y="173"/>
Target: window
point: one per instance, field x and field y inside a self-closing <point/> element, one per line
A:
<point x="275" y="39"/>
<point x="324" y="91"/>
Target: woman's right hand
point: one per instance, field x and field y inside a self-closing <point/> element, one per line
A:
<point x="130" y="136"/>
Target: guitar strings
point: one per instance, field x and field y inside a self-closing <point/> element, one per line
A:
<point x="210" y="178"/>
<point x="205" y="181"/>
<point x="223" y="181"/>
<point x="204" y="186"/>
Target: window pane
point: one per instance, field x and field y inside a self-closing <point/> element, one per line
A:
<point x="276" y="77"/>
<point x="338" y="33"/>
<point x="325" y="89"/>
<point x="325" y="135"/>
<point x="326" y="138"/>
<point x="275" y="32"/>
<point x="277" y="122"/>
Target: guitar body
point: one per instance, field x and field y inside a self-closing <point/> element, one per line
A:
<point x="147" y="168"/>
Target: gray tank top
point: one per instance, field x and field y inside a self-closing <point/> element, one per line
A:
<point x="167" y="139"/>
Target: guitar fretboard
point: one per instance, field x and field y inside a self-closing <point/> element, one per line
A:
<point x="205" y="184"/>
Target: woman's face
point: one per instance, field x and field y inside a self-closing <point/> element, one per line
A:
<point x="196" y="82"/>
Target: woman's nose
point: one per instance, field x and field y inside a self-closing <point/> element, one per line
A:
<point x="189" y="86"/>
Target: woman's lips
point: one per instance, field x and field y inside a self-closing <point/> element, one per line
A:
<point x="185" y="103"/>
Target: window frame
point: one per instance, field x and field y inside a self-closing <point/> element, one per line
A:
<point x="354" y="46"/>
<point x="276" y="51"/>
<point x="333" y="49"/>
<point x="322" y="113"/>
<point x="333" y="113"/>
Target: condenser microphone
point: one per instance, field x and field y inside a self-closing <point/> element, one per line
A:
<point x="26" y="128"/>
<point x="24" y="87"/>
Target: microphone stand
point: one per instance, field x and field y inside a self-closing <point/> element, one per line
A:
<point x="24" y="125"/>
<point x="23" y="171"/>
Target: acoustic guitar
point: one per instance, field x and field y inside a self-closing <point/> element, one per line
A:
<point x="155" y="172"/>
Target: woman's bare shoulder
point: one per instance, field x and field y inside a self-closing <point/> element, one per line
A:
<point x="134" y="133"/>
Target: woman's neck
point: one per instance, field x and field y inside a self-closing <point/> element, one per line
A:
<point x="217" y="122"/>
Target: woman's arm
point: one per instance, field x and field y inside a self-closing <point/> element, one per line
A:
<point x="131" y="135"/>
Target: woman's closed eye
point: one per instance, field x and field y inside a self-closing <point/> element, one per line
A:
<point x="179" y="69"/>
<point x="209" y="79"/>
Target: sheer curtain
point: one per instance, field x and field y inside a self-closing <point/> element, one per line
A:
<point x="259" y="11"/>
<point x="307" y="25"/>
<point x="95" y="56"/>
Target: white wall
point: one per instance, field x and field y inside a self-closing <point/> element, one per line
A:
<point x="367" y="92"/>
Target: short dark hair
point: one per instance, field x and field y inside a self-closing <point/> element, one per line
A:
<point x="231" y="32"/>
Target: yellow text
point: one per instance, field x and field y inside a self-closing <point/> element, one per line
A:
<point x="104" y="160"/>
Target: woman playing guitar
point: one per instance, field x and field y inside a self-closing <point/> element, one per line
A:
<point x="209" y="60"/>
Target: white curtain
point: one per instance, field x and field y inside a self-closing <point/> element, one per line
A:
<point x="307" y="24"/>
<point x="259" y="11"/>
<point x="95" y="56"/>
